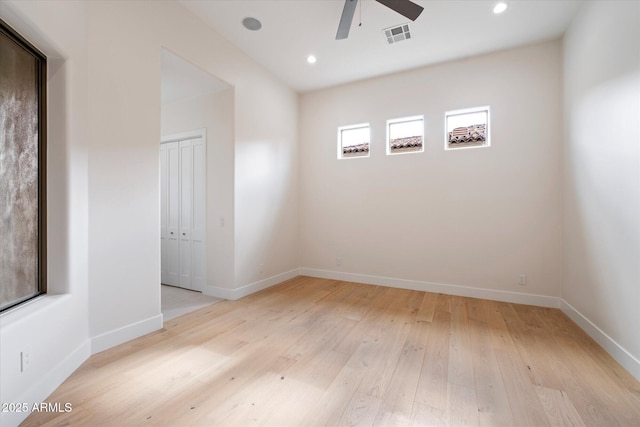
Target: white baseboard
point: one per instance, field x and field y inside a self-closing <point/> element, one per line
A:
<point x="464" y="291"/>
<point x="47" y="384"/>
<point x="619" y="353"/>
<point x="234" y="294"/>
<point x="215" y="291"/>
<point x="118" y="336"/>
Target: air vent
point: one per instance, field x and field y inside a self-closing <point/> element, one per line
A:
<point x="397" y="34"/>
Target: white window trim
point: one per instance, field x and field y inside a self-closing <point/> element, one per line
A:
<point x="467" y="111"/>
<point x="401" y="120"/>
<point x="341" y="155"/>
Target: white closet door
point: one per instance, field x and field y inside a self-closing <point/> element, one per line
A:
<point x="173" y="215"/>
<point x="199" y="203"/>
<point x="164" y="184"/>
<point x="186" y="212"/>
<point x="183" y="212"/>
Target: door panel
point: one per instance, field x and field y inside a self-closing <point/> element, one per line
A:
<point x="186" y="211"/>
<point x="199" y="228"/>
<point x="199" y="195"/>
<point x="186" y="190"/>
<point x="173" y="218"/>
<point x="198" y="270"/>
<point x="185" y="263"/>
<point x="163" y="213"/>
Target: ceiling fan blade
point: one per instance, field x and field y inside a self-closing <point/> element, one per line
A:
<point x="345" y="20"/>
<point x="406" y="8"/>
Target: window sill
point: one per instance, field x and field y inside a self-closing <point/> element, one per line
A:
<point x="35" y="306"/>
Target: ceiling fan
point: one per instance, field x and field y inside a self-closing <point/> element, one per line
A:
<point x="405" y="8"/>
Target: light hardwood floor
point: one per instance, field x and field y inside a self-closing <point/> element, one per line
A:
<point x="322" y="352"/>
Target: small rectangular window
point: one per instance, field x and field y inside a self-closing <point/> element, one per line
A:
<point x="405" y="135"/>
<point x="353" y="141"/>
<point x="467" y="128"/>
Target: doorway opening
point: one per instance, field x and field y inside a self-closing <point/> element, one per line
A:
<point x="189" y="181"/>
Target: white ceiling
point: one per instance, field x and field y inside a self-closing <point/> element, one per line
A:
<point x="446" y="30"/>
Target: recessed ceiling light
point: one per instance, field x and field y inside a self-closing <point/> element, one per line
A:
<point x="499" y="8"/>
<point x="251" y="24"/>
<point x="311" y="59"/>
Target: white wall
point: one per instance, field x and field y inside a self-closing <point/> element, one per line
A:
<point x="475" y="217"/>
<point x="266" y="185"/>
<point x="53" y="329"/>
<point x="124" y="130"/>
<point x="213" y="112"/>
<point x="601" y="279"/>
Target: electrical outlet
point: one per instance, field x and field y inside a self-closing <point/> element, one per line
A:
<point x="25" y="360"/>
<point x="522" y="279"/>
<point x="338" y="262"/>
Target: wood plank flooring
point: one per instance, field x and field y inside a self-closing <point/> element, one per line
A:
<point x="315" y="352"/>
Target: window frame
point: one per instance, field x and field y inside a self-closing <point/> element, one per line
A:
<point x="341" y="129"/>
<point x="405" y="119"/>
<point x="465" y="111"/>
<point x="40" y="87"/>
